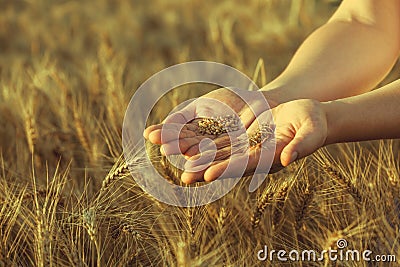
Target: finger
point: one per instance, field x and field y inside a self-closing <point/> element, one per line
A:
<point x="197" y="166"/>
<point x="165" y="136"/>
<point x="219" y="142"/>
<point x="193" y="175"/>
<point x="192" y="151"/>
<point x="157" y="133"/>
<point x="180" y="146"/>
<point x="152" y="128"/>
<point x="302" y="145"/>
<point x="231" y="168"/>
<point x="257" y="160"/>
<point x="149" y="129"/>
<point x="208" y="157"/>
<point x="222" y="151"/>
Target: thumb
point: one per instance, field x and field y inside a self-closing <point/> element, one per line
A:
<point x="303" y="144"/>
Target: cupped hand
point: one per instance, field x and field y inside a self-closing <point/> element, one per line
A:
<point x="300" y="129"/>
<point x="179" y="133"/>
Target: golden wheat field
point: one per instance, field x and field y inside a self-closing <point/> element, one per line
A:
<point x="68" y="70"/>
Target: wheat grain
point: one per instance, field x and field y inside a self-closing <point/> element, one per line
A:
<point x="90" y="224"/>
<point x="230" y="123"/>
<point x="219" y="125"/>
<point x="263" y="134"/>
<point x="125" y="228"/>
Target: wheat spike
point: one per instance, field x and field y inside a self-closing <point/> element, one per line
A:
<point x="345" y="182"/>
<point x="263" y="202"/>
<point x="31" y="132"/>
<point x="306" y="200"/>
<point x="338" y="176"/>
<point x="115" y="174"/>
<point x="89" y="221"/>
<point x="221" y="220"/>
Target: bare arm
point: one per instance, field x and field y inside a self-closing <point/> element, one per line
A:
<point x="347" y="56"/>
<point x="374" y="115"/>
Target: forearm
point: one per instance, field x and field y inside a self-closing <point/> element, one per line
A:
<point x="371" y="116"/>
<point x="344" y="57"/>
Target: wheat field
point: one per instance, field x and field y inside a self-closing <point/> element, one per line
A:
<point x="67" y="72"/>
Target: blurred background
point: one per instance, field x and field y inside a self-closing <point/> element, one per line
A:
<point x="148" y="36"/>
<point x="69" y="68"/>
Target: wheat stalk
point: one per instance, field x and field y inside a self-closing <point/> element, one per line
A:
<point x="219" y="125"/>
<point x="182" y="256"/>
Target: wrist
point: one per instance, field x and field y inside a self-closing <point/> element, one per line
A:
<point x="333" y="120"/>
<point x="286" y="88"/>
<point x="276" y="95"/>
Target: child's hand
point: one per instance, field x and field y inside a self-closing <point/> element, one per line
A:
<point x="300" y="129"/>
<point x="179" y="131"/>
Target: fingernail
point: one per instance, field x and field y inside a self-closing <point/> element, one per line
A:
<point x="293" y="157"/>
